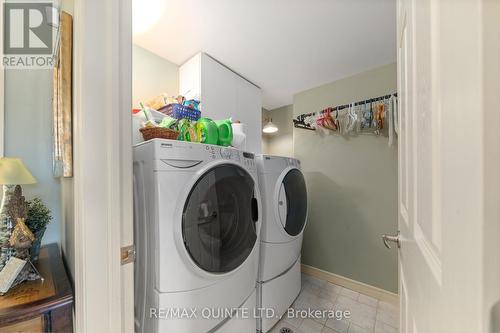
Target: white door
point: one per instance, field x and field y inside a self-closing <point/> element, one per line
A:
<point x="448" y="150"/>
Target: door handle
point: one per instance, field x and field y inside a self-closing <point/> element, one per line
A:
<point x="394" y="239"/>
<point x="255" y="210"/>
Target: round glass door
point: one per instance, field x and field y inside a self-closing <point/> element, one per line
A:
<point x="218" y="222"/>
<point x="292" y="202"/>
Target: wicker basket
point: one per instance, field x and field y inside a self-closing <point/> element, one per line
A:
<point x="149" y="133"/>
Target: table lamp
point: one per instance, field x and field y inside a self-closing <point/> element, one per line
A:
<point x="13" y="173"/>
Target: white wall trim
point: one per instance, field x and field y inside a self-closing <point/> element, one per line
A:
<point x="102" y="164"/>
<point x="2" y="107"/>
<point x="360" y="287"/>
<point x="126" y="163"/>
<point x="2" y="90"/>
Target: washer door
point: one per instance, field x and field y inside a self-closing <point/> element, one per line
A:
<point x="292" y="202"/>
<point x="218" y="222"/>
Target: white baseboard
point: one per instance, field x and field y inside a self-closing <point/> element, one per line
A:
<point x="360" y="287"/>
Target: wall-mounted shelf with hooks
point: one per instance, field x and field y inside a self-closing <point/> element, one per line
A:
<point x="300" y="121"/>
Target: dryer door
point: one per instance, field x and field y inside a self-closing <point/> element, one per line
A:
<point x="218" y="222"/>
<point x="292" y="202"/>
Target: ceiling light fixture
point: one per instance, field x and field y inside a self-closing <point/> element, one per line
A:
<point x="270" y="127"/>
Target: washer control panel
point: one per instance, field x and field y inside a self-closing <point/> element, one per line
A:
<point x="190" y="151"/>
<point x="187" y="154"/>
<point x="213" y="151"/>
<point x="227" y="153"/>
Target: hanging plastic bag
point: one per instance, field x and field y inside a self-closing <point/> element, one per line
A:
<point x="352" y="119"/>
<point x="379" y="117"/>
<point x="366" y="117"/>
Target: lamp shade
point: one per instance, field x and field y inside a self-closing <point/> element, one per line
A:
<point x="270" y="127"/>
<point x="14" y="172"/>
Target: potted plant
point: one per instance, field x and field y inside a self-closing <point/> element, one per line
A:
<point x="38" y="218"/>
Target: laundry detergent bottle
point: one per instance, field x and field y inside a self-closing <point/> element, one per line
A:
<point x="206" y="131"/>
<point x="225" y="132"/>
<point x="187" y="131"/>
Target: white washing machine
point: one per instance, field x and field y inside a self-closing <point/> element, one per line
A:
<point x="197" y="227"/>
<point x="284" y="203"/>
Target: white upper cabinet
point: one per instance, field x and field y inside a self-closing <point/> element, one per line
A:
<point x="190" y="78"/>
<point x="249" y="112"/>
<point x="223" y="94"/>
<point x="219" y="90"/>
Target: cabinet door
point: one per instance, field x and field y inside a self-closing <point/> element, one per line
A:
<point x="223" y="94"/>
<point x="218" y="89"/>
<point x="190" y="78"/>
<point x="249" y="110"/>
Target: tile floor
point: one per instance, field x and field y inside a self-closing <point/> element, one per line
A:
<point x="367" y="314"/>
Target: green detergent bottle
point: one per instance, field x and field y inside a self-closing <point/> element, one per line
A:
<point x="206" y="131"/>
<point x="225" y="132"/>
<point x="187" y="131"/>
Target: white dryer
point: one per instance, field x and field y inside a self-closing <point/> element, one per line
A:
<point x="197" y="227"/>
<point x="284" y="203"/>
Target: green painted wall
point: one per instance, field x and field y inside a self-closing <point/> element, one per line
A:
<point x="352" y="186"/>
<point x="281" y="142"/>
<point x="152" y="75"/>
<point x="265" y="137"/>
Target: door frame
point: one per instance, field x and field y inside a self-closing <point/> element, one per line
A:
<point x="2" y="91"/>
<point x="103" y="165"/>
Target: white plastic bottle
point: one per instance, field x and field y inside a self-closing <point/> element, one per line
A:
<point x="239" y="136"/>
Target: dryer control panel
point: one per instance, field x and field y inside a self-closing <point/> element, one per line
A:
<point x="294" y="162"/>
<point x="249" y="159"/>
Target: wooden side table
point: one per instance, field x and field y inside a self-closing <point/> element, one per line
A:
<point x="40" y="306"/>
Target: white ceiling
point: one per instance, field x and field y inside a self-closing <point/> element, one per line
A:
<point x="283" y="46"/>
